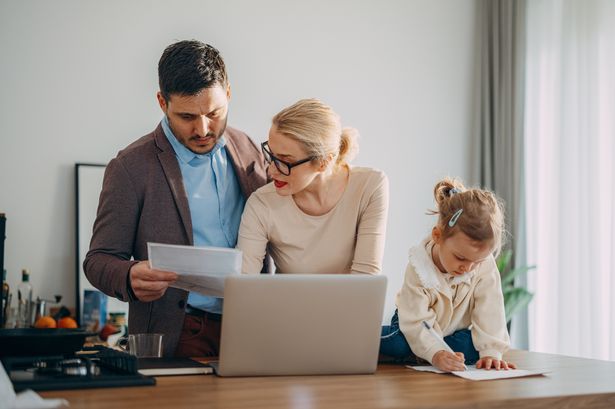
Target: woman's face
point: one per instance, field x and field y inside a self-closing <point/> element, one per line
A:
<point x="289" y="150"/>
<point x="458" y="254"/>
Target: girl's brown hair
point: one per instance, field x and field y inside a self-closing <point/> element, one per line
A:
<point x="478" y="213"/>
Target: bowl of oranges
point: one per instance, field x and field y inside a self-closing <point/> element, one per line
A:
<point x="48" y="321"/>
<point x="50" y="335"/>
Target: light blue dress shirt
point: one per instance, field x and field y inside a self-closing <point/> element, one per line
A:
<point x="215" y="200"/>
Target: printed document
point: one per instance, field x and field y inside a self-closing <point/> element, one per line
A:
<point x="199" y="269"/>
<point x="482" y="374"/>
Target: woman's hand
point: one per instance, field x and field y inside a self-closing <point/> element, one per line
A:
<point x="488" y="362"/>
<point x="448" y="362"/>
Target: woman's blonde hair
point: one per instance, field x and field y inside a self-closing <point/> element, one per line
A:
<point x="318" y="128"/>
<point x="478" y="213"/>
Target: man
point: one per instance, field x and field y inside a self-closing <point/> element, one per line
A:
<point x="184" y="183"/>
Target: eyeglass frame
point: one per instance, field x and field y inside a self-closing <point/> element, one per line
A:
<point x="275" y="160"/>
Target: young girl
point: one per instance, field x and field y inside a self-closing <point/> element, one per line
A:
<point x="453" y="284"/>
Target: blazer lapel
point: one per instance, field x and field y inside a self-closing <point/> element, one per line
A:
<point x="169" y="164"/>
<point x="241" y="170"/>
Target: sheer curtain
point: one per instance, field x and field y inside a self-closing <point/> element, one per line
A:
<point x="570" y="184"/>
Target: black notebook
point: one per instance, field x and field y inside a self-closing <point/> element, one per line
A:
<point x="172" y="366"/>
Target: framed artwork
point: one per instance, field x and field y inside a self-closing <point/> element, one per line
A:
<point x="90" y="303"/>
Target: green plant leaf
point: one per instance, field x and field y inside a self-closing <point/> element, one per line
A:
<point x="515" y="299"/>
<point x="510" y="276"/>
<point x="503" y="260"/>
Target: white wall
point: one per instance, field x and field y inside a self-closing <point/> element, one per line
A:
<point x="79" y="81"/>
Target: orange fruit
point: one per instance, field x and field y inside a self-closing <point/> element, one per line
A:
<point x="67" y="322"/>
<point x="45" y="322"/>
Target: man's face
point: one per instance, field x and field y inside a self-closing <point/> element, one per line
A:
<point x="198" y="121"/>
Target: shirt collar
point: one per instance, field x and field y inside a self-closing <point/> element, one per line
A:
<point x="184" y="154"/>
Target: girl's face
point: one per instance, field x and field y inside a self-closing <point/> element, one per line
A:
<point x="289" y="150"/>
<point x="458" y="254"/>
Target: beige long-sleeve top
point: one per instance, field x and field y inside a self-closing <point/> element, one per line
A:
<point x="349" y="238"/>
<point x="450" y="303"/>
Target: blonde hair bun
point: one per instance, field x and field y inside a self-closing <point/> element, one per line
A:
<point x="478" y="213"/>
<point x="349" y="145"/>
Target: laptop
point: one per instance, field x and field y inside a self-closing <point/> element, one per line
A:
<point x="301" y="324"/>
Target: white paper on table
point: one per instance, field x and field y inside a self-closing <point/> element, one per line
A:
<point x="425" y="368"/>
<point x="7" y="393"/>
<point x="482" y="374"/>
<point x="199" y="269"/>
<point x="27" y="399"/>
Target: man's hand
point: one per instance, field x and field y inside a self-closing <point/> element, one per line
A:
<point x="448" y="362"/>
<point x="147" y="284"/>
<point x="488" y="362"/>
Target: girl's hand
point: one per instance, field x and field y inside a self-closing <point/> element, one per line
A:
<point x="489" y="362"/>
<point x="448" y="362"/>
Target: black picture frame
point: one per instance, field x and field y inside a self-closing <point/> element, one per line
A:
<point x="88" y="184"/>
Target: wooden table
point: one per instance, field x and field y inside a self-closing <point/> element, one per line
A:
<point x="572" y="383"/>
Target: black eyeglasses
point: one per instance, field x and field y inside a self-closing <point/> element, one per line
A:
<point x="283" y="166"/>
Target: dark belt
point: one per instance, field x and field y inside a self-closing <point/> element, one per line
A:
<point x="195" y="312"/>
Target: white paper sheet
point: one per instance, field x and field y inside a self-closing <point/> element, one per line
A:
<point x="7" y="393"/>
<point x="27" y="399"/>
<point x="200" y="269"/>
<point x="481" y="374"/>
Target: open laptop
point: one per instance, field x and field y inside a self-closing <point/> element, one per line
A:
<point x="301" y="324"/>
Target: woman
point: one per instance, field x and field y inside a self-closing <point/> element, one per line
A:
<point x="319" y="214"/>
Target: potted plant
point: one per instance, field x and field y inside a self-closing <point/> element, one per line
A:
<point x="515" y="298"/>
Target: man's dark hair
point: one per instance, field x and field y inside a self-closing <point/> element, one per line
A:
<point x="188" y="66"/>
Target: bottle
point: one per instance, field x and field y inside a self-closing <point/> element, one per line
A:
<point x="24" y="300"/>
<point x="118" y="320"/>
<point x="6" y="290"/>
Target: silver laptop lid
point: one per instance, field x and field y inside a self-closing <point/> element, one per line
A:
<point x="301" y="324"/>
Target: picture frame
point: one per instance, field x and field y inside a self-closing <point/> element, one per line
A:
<point x="88" y="185"/>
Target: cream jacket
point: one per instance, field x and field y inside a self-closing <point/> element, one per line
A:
<point x="450" y="303"/>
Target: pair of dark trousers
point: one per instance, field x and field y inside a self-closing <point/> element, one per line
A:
<point x="200" y="336"/>
<point x="394" y="346"/>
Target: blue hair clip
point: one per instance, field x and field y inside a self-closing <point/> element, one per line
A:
<point x="453" y="191"/>
<point x="454" y="218"/>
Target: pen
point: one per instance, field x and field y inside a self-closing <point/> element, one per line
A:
<point x="440" y="340"/>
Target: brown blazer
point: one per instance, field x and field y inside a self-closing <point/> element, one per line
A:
<point x="142" y="200"/>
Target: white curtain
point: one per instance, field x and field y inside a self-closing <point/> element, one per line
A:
<point x="570" y="183"/>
